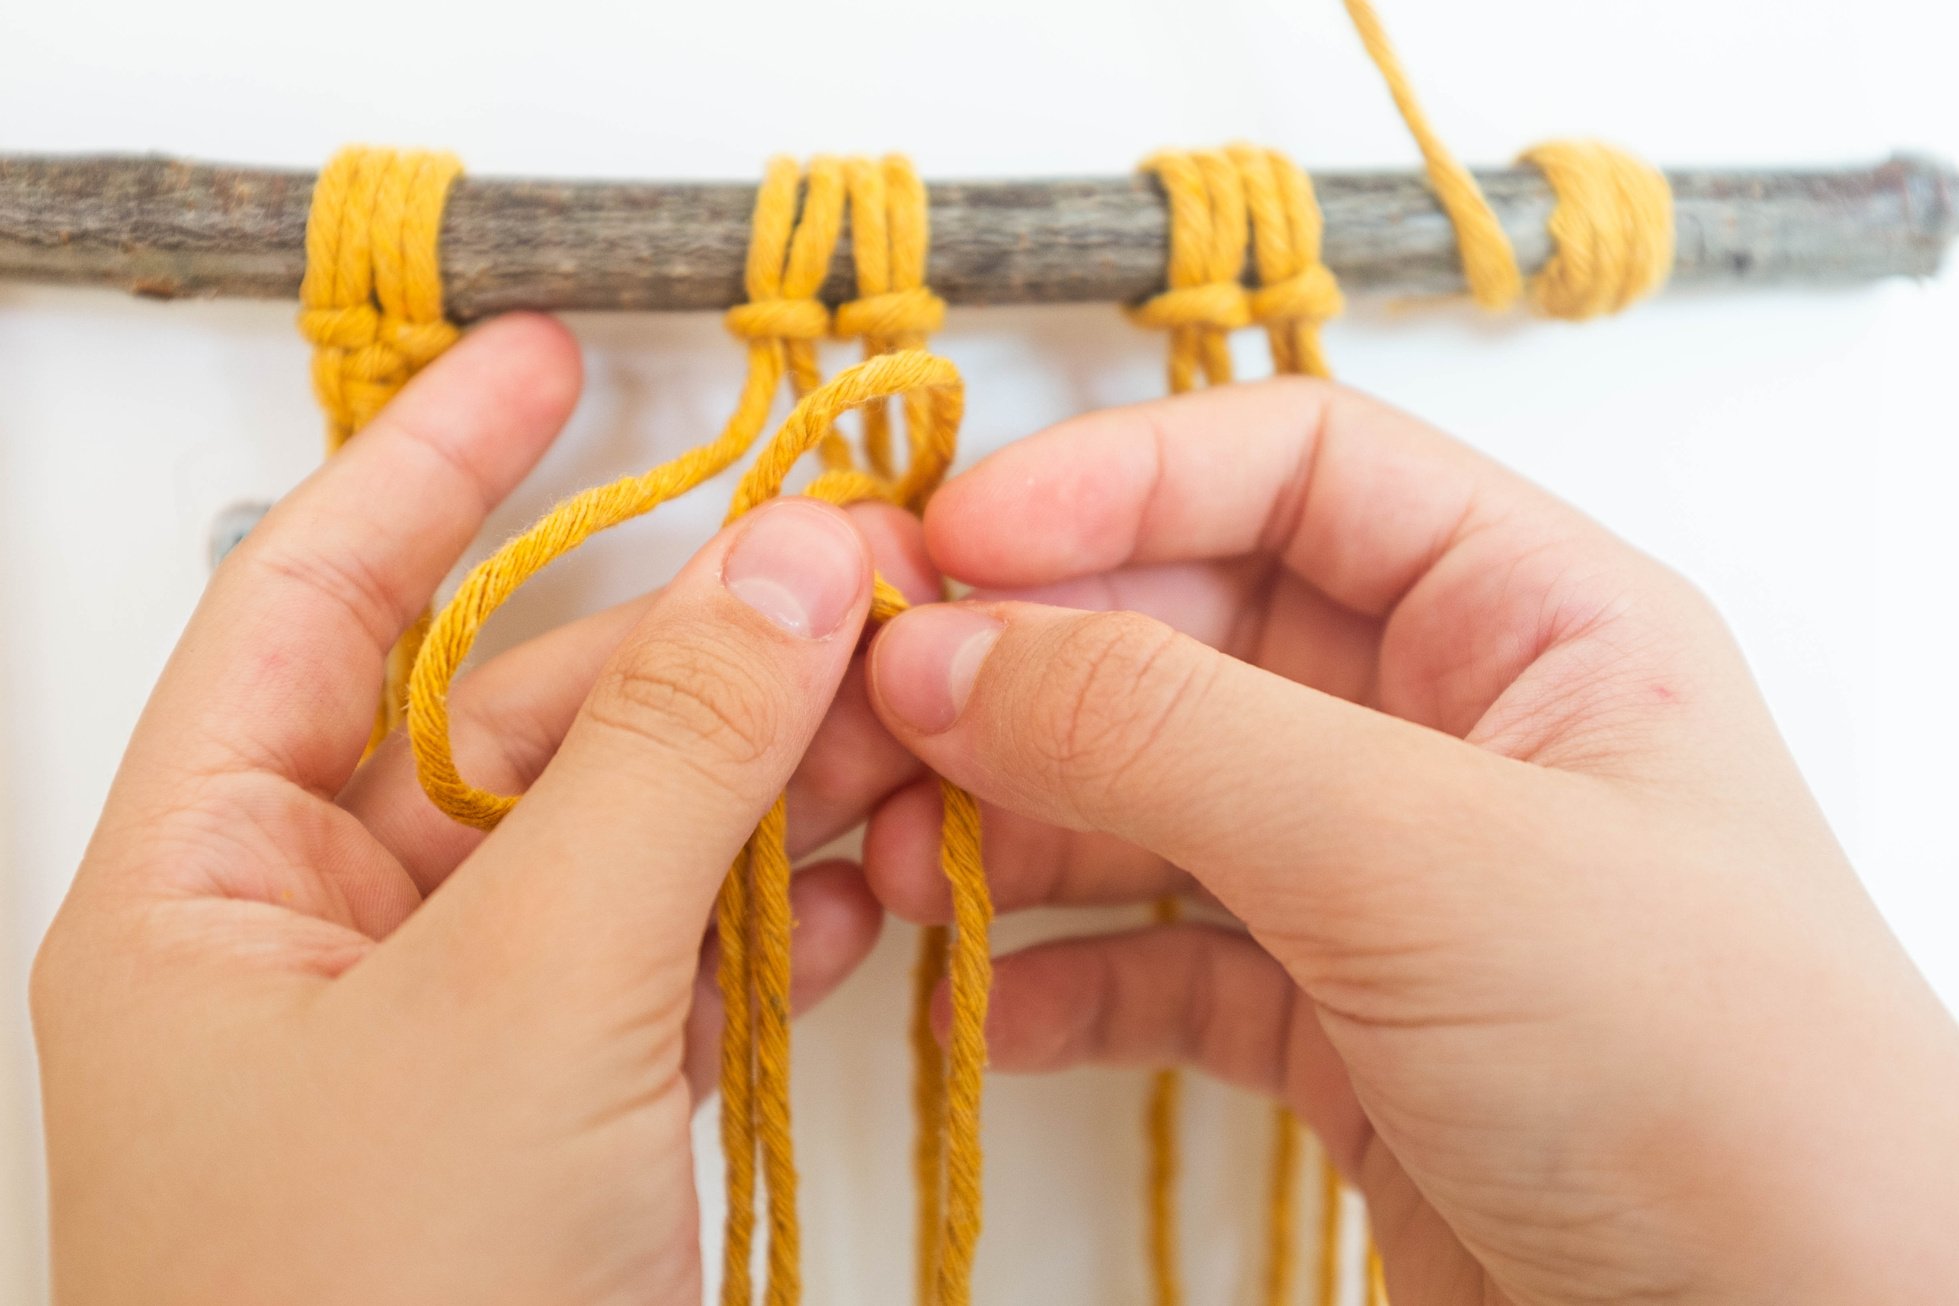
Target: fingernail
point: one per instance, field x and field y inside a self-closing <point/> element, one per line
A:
<point x="798" y="564"/>
<point x="926" y="661"/>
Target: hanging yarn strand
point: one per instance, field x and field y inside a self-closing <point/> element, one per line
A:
<point x="1295" y="295"/>
<point x="753" y="914"/>
<point x="928" y="1109"/>
<point x="371" y="306"/>
<point x="1206" y="300"/>
<point x="770" y="929"/>
<point x="894" y="310"/>
<point x="1280" y="1261"/>
<point x="954" y="1174"/>
<point x="1488" y="263"/>
<point x="733" y="979"/>
<point x="1162" y="1114"/>
<point x="971" y="973"/>
<point x="1222" y="204"/>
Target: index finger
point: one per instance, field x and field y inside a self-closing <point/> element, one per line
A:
<point x="1357" y="498"/>
<point x="281" y="665"/>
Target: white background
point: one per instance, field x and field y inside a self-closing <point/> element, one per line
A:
<point x="1794" y="451"/>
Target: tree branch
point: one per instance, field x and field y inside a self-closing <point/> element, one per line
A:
<point x="166" y="229"/>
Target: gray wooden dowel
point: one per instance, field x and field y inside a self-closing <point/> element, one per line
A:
<point x="167" y="229"/>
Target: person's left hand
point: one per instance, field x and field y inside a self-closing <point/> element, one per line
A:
<point x="277" y="1065"/>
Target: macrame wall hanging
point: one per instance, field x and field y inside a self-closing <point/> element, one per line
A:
<point x="388" y="250"/>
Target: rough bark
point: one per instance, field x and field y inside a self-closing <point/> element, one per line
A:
<point x="164" y="228"/>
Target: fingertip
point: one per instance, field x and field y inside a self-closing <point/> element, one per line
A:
<point x="540" y="367"/>
<point x="924" y="663"/>
<point x="1046" y="508"/>
<point x="852" y="763"/>
<point x="1031" y="1011"/>
<point x="833" y="898"/>
<point x="901" y="863"/>
<point x="1034" y="1008"/>
<point x="495" y="401"/>
<point x="837" y="922"/>
<point x="803" y="565"/>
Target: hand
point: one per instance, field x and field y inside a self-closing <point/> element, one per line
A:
<point x="1543" y="935"/>
<point x="278" y="1066"/>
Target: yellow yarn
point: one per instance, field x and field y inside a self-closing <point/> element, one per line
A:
<point x="1612" y="228"/>
<point x="1160" y="1116"/>
<point x="895" y="311"/>
<point x="928" y="1107"/>
<point x="1206" y="299"/>
<point x="1487" y="261"/>
<point x="1222" y="203"/>
<point x="893" y="308"/>
<point x="789" y="255"/>
<point x="1279" y="1258"/>
<point x="371" y="306"/>
<point x="788" y="259"/>
<point x="1332" y="1217"/>
<point x="796" y="226"/>
<point x="1295" y="293"/>
<point x="371" y="299"/>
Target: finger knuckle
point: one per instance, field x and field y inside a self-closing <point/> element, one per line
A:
<point x="1117" y="683"/>
<point x="691" y="694"/>
<point x="343" y="580"/>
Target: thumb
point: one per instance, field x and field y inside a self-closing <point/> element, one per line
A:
<point x="1301" y="812"/>
<point x="609" y="868"/>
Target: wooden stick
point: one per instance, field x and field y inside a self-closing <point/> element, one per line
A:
<point x="166" y="229"/>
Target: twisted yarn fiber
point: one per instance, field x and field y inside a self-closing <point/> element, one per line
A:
<point x="371" y="306"/>
<point x="371" y="299"/>
<point x="1612" y="228"/>
<point x="895" y="311"/>
<point x="797" y="221"/>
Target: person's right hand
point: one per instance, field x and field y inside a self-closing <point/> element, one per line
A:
<point x="1547" y="940"/>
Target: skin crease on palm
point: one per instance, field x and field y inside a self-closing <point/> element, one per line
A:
<point x="1515" y="894"/>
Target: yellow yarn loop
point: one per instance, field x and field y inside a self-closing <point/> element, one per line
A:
<point x="788" y="259"/>
<point x="889" y="236"/>
<point x="371" y="306"/>
<point x="879" y="377"/>
<point x="1611" y="232"/>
